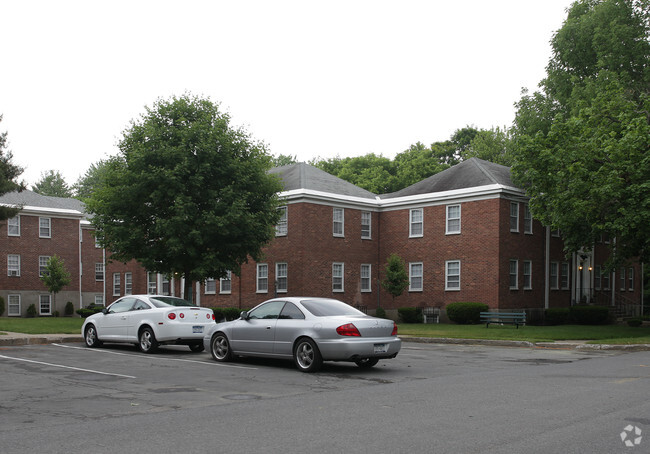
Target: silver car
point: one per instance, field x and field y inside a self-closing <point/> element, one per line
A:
<point x="309" y="330"/>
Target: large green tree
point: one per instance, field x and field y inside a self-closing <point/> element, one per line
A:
<point x="188" y="194"/>
<point x="90" y="181"/>
<point x="581" y="143"/>
<point x="52" y="184"/>
<point x="9" y="173"/>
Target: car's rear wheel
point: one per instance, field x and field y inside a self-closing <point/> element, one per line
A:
<point x="307" y="356"/>
<point x="148" y="342"/>
<point x="197" y="348"/>
<point x="90" y="336"/>
<point x="220" y="348"/>
<point x="367" y="363"/>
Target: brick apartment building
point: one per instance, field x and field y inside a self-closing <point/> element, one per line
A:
<point x="465" y="234"/>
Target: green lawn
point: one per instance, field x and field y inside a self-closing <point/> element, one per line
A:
<point x="42" y="325"/>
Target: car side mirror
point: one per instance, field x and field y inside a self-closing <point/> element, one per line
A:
<point x="105" y="311"/>
<point x="243" y="315"/>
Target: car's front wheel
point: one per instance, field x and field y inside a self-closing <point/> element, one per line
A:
<point x="367" y="363"/>
<point x="90" y="336"/>
<point x="220" y="348"/>
<point x="307" y="356"/>
<point x="147" y="341"/>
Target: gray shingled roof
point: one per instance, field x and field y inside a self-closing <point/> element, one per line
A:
<point x="30" y="198"/>
<point x="468" y="174"/>
<point x="304" y="176"/>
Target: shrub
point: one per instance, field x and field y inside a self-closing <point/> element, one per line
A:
<point x="31" y="311"/>
<point x="226" y="313"/>
<point x="2" y="305"/>
<point x="466" y="313"/>
<point x="69" y="309"/>
<point x="380" y="312"/>
<point x="634" y="322"/>
<point x="589" y="315"/>
<point x="556" y="316"/>
<point x="90" y="310"/>
<point x="410" y="314"/>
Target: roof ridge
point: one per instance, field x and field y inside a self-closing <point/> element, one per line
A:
<point x="478" y="163"/>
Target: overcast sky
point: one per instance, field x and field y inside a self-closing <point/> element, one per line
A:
<point x="310" y="79"/>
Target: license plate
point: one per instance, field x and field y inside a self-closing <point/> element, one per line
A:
<point x="381" y="348"/>
<point x="197" y="329"/>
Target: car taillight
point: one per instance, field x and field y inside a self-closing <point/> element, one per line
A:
<point x="171" y="316"/>
<point x="208" y="315"/>
<point x="182" y="315"/>
<point x="348" y="330"/>
<point x="394" y="333"/>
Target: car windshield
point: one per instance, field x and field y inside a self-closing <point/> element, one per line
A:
<point x="326" y="308"/>
<point x="163" y="301"/>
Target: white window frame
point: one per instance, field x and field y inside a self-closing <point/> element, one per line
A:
<point x="554" y="275"/>
<point x="452" y="275"/>
<point x="416" y="277"/>
<point x="13" y="226"/>
<point x="528" y="274"/>
<point x="528" y="220"/>
<point x="13" y="265"/>
<point x="338" y="277"/>
<point x="128" y="283"/>
<point x="338" y="222"/>
<point x="607" y="280"/>
<point x="366" y="225"/>
<point x="152" y="285"/>
<point x="366" y="277"/>
<point x="415" y="222"/>
<point x="564" y="275"/>
<point x="597" y="277"/>
<point x="42" y="264"/>
<point x="117" y="284"/>
<point x="45" y="302"/>
<point x="99" y="270"/>
<point x="210" y="286"/>
<point x="282" y="227"/>
<point x="630" y="279"/>
<point x="281" y="277"/>
<point x="452" y="219"/>
<point x="165" y="282"/>
<point x="44" y="231"/>
<point x="623" y="280"/>
<point x="514" y="217"/>
<point x="99" y="300"/>
<point x="514" y="262"/>
<point x="13" y="302"/>
<point x="225" y="284"/>
<point x="262" y="278"/>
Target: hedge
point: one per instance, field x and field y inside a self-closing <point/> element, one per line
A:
<point x="226" y="314"/>
<point x="410" y="314"/>
<point x="466" y="313"/>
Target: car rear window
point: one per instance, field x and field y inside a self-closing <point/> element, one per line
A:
<point x="163" y="301"/>
<point x="328" y="308"/>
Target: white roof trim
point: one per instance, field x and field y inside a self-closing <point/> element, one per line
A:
<point x="28" y="209"/>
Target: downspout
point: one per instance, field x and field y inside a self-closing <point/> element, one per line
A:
<point x="378" y="259"/>
<point x="104" y="283"/>
<point x="547" y="272"/>
<point x="80" y="267"/>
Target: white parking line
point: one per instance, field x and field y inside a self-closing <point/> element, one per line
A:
<point x="213" y="363"/>
<point x="66" y="367"/>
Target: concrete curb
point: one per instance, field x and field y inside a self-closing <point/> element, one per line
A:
<point x="568" y="345"/>
<point x="13" y="339"/>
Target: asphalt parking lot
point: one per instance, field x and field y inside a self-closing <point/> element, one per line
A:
<point x="432" y="398"/>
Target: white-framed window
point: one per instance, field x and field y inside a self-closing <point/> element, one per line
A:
<point x="415" y="277"/>
<point x="97" y="245"/>
<point x="225" y="283"/>
<point x="452" y="275"/>
<point x="262" y="278"/>
<point x="554" y="276"/>
<point x="128" y="283"/>
<point x="281" y="271"/>
<point x="44" y="228"/>
<point x="13" y="226"/>
<point x="210" y="286"/>
<point x="528" y="275"/>
<point x="514" y="216"/>
<point x="416" y="223"/>
<point x="45" y="305"/>
<point x="165" y="285"/>
<point x="338" y="222"/>
<point x="528" y="220"/>
<point x="152" y="283"/>
<point x="99" y="300"/>
<point x="514" y="275"/>
<point x="630" y="278"/>
<point x="555" y="233"/>
<point x="282" y="227"/>
<point x="117" y="284"/>
<point x="564" y="276"/>
<point x="99" y="272"/>
<point x="597" y="277"/>
<point x="366" y="280"/>
<point x="453" y="219"/>
<point x="13" y="306"/>
<point x="337" y="277"/>
<point x="13" y="265"/>
<point x="366" y="225"/>
<point x="606" y="281"/>
<point x="623" y="279"/>
<point x="43" y="260"/>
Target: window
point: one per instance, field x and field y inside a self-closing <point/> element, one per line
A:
<point x="291" y="312"/>
<point x="528" y="275"/>
<point x="366" y="224"/>
<point x="281" y="277"/>
<point x="555" y="233"/>
<point x="514" y="276"/>
<point x="225" y="283"/>
<point x="152" y="283"/>
<point x="528" y="220"/>
<point x="99" y="300"/>
<point x="453" y="219"/>
<point x="128" y="283"/>
<point x="262" y="278"/>
<point x="415" y="277"/>
<point x="337" y="277"/>
<point x="13" y="265"/>
<point x="597" y="277"/>
<point x="44" y="227"/>
<point x="630" y="278"/>
<point x="623" y="280"/>
<point x="165" y="285"/>
<point x="282" y="227"/>
<point x="99" y="272"/>
<point x="210" y="286"/>
<point x="43" y="260"/>
<point x="554" y="276"/>
<point x="514" y="217"/>
<point x="366" y="273"/>
<point x="13" y="307"/>
<point x="45" y="305"/>
<point x="564" y="275"/>
<point x="605" y="281"/>
<point x="117" y="287"/>
<point x="452" y="275"/>
<point x="338" y="222"/>
<point x="416" y="228"/>
<point x="13" y="226"/>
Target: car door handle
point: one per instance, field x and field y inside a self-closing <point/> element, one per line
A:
<point x="268" y="327"/>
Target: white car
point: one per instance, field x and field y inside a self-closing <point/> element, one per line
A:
<point x="149" y="321"/>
